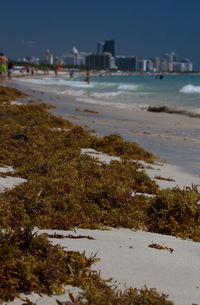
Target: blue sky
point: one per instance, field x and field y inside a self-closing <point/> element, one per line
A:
<point x="143" y="28"/>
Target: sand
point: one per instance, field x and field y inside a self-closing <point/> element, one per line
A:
<point x="8" y="182"/>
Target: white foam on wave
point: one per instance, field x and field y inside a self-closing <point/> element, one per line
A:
<point x="73" y="92"/>
<point x="190" y="89"/>
<point x="58" y="82"/>
<point x="107" y="94"/>
<point x="127" y="87"/>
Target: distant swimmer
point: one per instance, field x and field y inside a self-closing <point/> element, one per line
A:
<point x="87" y="77"/>
<point x="3" y="67"/>
<point x="161" y="76"/>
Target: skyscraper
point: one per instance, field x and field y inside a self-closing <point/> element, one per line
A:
<point x="99" y="61"/>
<point x="100" y="46"/>
<point x="127" y="63"/>
<point x="109" y="46"/>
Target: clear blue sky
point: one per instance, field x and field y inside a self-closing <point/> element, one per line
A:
<point x="143" y="28"/>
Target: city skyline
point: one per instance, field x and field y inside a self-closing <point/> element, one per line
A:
<point x="141" y="28"/>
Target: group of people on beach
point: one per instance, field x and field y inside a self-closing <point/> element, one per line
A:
<point x="6" y="67"/>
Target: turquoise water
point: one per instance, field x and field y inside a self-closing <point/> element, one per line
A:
<point x="129" y="91"/>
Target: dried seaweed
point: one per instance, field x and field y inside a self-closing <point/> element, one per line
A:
<point x="60" y="236"/>
<point x="160" y="247"/>
<point x="90" y="111"/>
<point x="163" y="178"/>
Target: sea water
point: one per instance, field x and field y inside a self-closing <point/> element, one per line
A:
<point x="129" y="91"/>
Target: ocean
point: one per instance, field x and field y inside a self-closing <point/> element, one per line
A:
<point x="128" y="91"/>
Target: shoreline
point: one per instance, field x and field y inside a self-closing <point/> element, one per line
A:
<point x="173" y="138"/>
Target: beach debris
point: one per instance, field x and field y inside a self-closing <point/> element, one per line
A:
<point x="160" y="247"/>
<point x="173" y="109"/>
<point x="163" y="178"/>
<point x="55" y="235"/>
<point x="90" y="111"/>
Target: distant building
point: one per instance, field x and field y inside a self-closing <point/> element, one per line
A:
<point x="142" y="65"/>
<point x="100" y="46"/>
<point x="183" y="66"/>
<point x="109" y="46"/>
<point x="70" y="58"/>
<point x="163" y="65"/>
<point x="188" y="65"/>
<point x="126" y="63"/>
<point x="31" y="60"/>
<point x="48" y="57"/>
<point x="170" y="57"/>
<point x="156" y="64"/>
<point x="99" y="61"/>
<point x="74" y="57"/>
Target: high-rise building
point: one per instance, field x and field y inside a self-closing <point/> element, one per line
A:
<point x="142" y="65"/>
<point x="127" y="63"/>
<point x="170" y="57"/>
<point x="183" y="66"/>
<point x="156" y="63"/>
<point x="100" y="46"/>
<point x="48" y="57"/>
<point x="99" y="61"/>
<point x="163" y="65"/>
<point x="109" y="46"/>
<point x="74" y="57"/>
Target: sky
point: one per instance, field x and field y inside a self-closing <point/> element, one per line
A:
<point x="144" y="28"/>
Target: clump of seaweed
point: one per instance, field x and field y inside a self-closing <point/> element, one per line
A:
<point x="115" y="145"/>
<point x="160" y="247"/>
<point x="90" y="111"/>
<point x="8" y="94"/>
<point x="175" y="212"/>
<point x="131" y="296"/>
<point x="29" y="263"/>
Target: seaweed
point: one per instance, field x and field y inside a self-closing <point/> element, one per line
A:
<point x="175" y="212"/>
<point x="163" y="178"/>
<point x="90" y="111"/>
<point x="160" y="247"/>
<point x="29" y="263"/>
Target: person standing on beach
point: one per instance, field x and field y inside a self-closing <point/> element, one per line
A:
<point x="10" y="69"/>
<point x="3" y="67"/>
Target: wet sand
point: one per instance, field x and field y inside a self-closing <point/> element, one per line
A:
<point x="174" y="138"/>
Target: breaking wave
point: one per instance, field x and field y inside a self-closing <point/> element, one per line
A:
<point x="190" y="89"/>
<point x="58" y="82"/>
<point x="106" y="94"/>
<point x="127" y="87"/>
